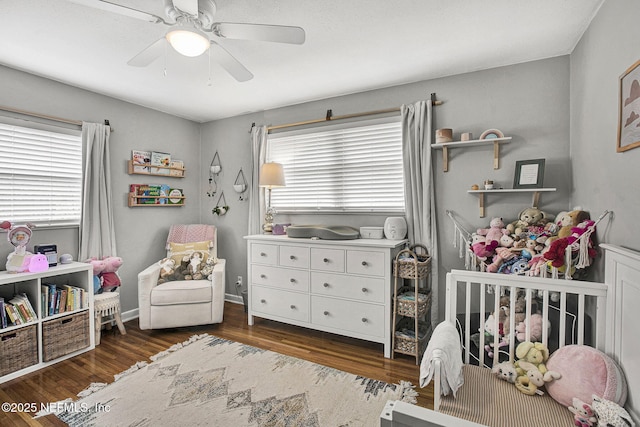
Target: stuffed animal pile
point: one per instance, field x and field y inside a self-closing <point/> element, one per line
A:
<point x="196" y="266"/>
<point x="534" y="243"/>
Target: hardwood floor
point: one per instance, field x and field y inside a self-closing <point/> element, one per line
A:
<point x="117" y="353"/>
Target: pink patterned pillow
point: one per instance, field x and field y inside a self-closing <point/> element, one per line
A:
<point x="585" y="371"/>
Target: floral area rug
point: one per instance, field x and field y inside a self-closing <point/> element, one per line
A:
<point x="209" y="381"/>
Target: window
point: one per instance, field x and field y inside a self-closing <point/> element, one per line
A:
<point x="40" y="173"/>
<point x="353" y="167"/>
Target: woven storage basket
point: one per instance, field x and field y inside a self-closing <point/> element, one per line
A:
<point x="409" y="264"/>
<point x="406" y="302"/>
<point x="65" y="335"/>
<point x="406" y="342"/>
<point x="18" y="349"/>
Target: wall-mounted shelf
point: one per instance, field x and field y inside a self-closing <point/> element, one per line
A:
<point x="159" y="200"/>
<point x="445" y="146"/>
<point x="173" y="172"/>
<point x="536" y="195"/>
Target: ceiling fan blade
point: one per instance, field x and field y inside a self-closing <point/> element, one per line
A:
<point x="230" y="64"/>
<point x="189" y="7"/>
<point x="269" y="33"/>
<point x="149" y="54"/>
<point x="121" y="10"/>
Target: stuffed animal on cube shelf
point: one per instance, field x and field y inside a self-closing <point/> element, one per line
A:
<point x="21" y="260"/>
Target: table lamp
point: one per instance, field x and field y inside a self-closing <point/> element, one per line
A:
<point x="271" y="176"/>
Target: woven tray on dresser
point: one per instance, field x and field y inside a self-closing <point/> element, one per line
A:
<point x="65" y="335"/>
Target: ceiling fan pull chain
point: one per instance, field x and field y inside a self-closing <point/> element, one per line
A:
<point x="209" y="82"/>
<point x="164" y="58"/>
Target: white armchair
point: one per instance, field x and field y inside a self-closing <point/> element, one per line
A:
<point x="183" y="302"/>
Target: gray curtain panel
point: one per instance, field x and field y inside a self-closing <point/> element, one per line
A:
<point x="256" y="194"/>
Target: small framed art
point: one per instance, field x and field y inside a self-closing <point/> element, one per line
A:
<point x="529" y="174"/>
<point x="629" y="109"/>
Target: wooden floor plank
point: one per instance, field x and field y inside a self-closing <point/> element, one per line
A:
<point x="116" y="353"/>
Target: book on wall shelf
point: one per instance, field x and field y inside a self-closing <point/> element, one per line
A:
<point x="141" y="161"/>
<point x="160" y="159"/>
<point x="177" y="168"/>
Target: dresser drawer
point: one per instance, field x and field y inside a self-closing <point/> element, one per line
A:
<point x="294" y="256"/>
<point x="358" y="317"/>
<point x="362" y="262"/>
<point x="264" y="254"/>
<point x="284" y="278"/>
<point x="327" y="259"/>
<point x="366" y="289"/>
<point x="277" y="302"/>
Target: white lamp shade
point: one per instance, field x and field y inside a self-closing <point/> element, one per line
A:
<point x="272" y="175"/>
<point x="188" y="41"/>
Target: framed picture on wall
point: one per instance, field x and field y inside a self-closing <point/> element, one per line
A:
<point x="529" y="174"/>
<point x="629" y="109"/>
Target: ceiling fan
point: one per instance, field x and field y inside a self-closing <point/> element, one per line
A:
<point x="191" y="24"/>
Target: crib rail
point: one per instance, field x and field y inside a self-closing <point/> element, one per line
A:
<point x="476" y="294"/>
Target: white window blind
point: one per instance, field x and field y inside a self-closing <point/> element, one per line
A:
<point x="40" y="174"/>
<point x="353" y="167"/>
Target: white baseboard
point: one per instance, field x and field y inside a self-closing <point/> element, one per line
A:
<point x="134" y="314"/>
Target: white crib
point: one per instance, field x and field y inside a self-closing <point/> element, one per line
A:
<point x="601" y="315"/>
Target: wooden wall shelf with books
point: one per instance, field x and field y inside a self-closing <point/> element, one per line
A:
<point x="171" y="171"/>
<point x="51" y="327"/>
<point x="135" y="200"/>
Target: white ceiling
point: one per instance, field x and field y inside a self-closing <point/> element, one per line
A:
<point x="351" y="46"/>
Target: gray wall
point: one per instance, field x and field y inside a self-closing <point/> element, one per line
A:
<point x="529" y="102"/>
<point x="141" y="231"/>
<point x="603" y="178"/>
<point x="562" y="109"/>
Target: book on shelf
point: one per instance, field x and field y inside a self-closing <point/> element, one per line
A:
<point x="160" y="159"/>
<point x="177" y="168"/>
<point x="175" y="196"/>
<point x="141" y="161"/>
<point x="13" y="316"/>
<point x="164" y="193"/>
<point x="24" y="307"/>
<point x="148" y="190"/>
<point x="3" y="314"/>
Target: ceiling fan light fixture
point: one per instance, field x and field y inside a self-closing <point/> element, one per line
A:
<point x="188" y="41"/>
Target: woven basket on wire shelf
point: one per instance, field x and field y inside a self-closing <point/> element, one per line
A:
<point x="411" y="264"/>
<point x="406" y="302"/>
<point x="405" y="338"/>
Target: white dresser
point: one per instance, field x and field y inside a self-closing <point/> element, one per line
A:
<point x="338" y="286"/>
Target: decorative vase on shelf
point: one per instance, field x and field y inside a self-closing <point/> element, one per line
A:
<point x="395" y="228"/>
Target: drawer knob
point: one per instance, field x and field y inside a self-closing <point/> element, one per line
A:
<point x="364" y="263"/>
<point x="262" y="276"/>
<point x="292" y="280"/>
<point x="293" y="307"/>
<point x="263" y="301"/>
<point x="364" y="320"/>
<point x="292" y="257"/>
<point x="325" y="260"/>
<point x="326" y="285"/>
<point x="326" y="313"/>
<point x="365" y="290"/>
<point x="263" y="254"/>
